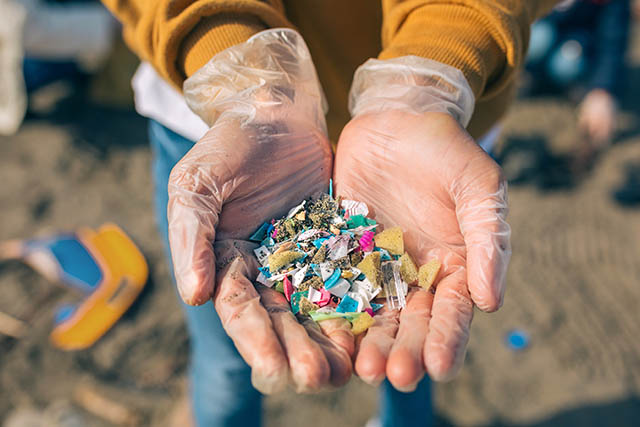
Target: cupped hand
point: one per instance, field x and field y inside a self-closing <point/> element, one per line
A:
<point x="424" y="173"/>
<point x="240" y="174"/>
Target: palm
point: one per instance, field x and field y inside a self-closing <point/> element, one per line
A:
<point x="236" y="177"/>
<point x="426" y="175"/>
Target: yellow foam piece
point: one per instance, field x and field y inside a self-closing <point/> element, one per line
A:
<point x="428" y="272"/>
<point x="391" y="240"/>
<point x="370" y="266"/>
<point x="281" y="259"/>
<point x="125" y="273"/>
<point x="408" y="269"/>
<point x="361" y="323"/>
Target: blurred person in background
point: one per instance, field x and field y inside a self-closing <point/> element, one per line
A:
<point x="579" y="50"/>
<point x="238" y="135"/>
<point x="46" y="41"/>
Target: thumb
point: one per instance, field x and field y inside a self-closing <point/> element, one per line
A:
<point x="481" y="208"/>
<point x="193" y="216"/>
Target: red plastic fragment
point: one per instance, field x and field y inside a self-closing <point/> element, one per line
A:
<point x="288" y="287"/>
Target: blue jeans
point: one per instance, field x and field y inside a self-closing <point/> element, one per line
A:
<point x="221" y="387"/>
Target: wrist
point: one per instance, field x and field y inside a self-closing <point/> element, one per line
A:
<point x="412" y="84"/>
<point x="270" y="75"/>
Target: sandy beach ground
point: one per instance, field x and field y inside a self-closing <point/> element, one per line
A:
<point x="574" y="281"/>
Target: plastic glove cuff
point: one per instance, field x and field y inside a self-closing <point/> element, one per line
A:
<point x="272" y="70"/>
<point x="413" y="84"/>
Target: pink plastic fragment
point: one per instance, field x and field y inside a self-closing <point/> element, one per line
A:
<point x="370" y="311"/>
<point x="325" y="299"/>
<point x="288" y="287"/>
<point x="366" y="241"/>
<point x="274" y="233"/>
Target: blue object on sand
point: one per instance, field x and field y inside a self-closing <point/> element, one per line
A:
<point x="517" y="339"/>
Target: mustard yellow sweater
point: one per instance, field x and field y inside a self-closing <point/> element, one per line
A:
<point x="486" y="39"/>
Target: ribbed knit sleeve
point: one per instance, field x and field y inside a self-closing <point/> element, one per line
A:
<point x="486" y="40"/>
<point x="179" y="36"/>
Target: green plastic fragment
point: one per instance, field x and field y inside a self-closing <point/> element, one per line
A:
<point x="295" y="301"/>
<point x="319" y="317"/>
<point x="279" y="286"/>
<point x="356" y="221"/>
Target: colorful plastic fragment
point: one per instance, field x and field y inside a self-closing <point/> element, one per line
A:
<point x="428" y="273"/>
<point x="366" y="241"/>
<point x="281" y="259"/>
<point x="408" y="269"/>
<point x="288" y="288"/>
<point x="370" y="266"/>
<point x="326" y="259"/>
<point x="347" y="305"/>
<point x="361" y="323"/>
<point x="391" y="240"/>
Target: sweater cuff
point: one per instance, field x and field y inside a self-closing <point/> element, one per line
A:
<point x="459" y="36"/>
<point x="214" y="35"/>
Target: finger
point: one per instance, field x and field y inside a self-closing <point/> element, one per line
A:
<point x="451" y="316"/>
<point x="310" y="370"/>
<point x="338" y="358"/>
<point x="192" y="216"/>
<point x="374" y="348"/>
<point x="406" y="366"/>
<point x="482" y="218"/>
<point x="339" y="331"/>
<point x="248" y="324"/>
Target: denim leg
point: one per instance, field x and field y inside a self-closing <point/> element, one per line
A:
<point x="399" y="409"/>
<point x="220" y="380"/>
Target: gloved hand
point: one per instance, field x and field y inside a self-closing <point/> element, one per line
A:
<point x="266" y="150"/>
<point x="407" y="155"/>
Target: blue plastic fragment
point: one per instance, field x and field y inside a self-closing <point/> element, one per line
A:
<point x="260" y="233"/>
<point x="331" y="188"/>
<point x="333" y="279"/>
<point x="265" y="271"/>
<point x="517" y="339"/>
<point x="318" y="242"/>
<point x="376" y="307"/>
<point x="347" y="305"/>
<point x="268" y="242"/>
<point x="384" y="254"/>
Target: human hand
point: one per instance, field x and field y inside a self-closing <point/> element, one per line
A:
<point x="597" y="116"/>
<point x="266" y="150"/>
<point x="421" y="170"/>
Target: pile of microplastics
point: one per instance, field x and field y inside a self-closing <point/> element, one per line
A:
<point x="327" y="260"/>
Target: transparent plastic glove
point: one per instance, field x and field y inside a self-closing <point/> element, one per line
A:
<point x="407" y="156"/>
<point x="266" y="150"/>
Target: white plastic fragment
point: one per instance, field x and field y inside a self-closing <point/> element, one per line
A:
<point x="365" y="288"/>
<point x="276" y="277"/>
<point x="298" y="278"/>
<point x="262" y="279"/>
<point x="338" y="246"/>
<point x="340" y="288"/>
<point x="326" y="271"/>
<point x="305" y="235"/>
<point x="314" y="295"/>
<point x="262" y="253"/>
<point x="296" y="209"/>
<point x="352" y="207"/>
